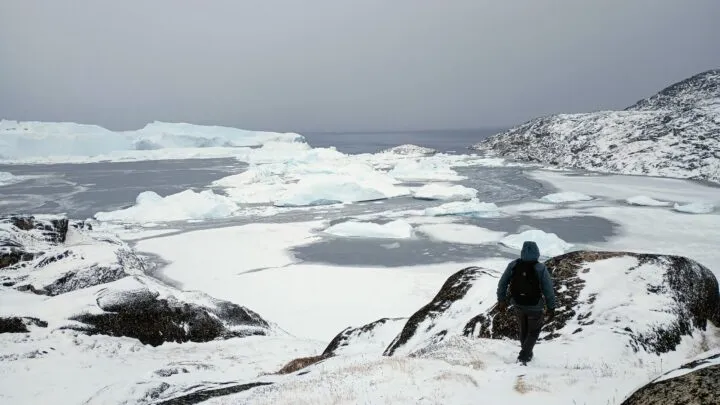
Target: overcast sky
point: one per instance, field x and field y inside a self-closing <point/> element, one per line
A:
<point x="343" y="64"/>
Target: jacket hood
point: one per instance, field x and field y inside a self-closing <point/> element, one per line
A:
<point x="530" y="252"/>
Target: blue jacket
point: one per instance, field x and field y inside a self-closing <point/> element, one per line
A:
<point x="529" y="252"/>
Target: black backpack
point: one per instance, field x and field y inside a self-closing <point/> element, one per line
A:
<point x="525" y="284"/>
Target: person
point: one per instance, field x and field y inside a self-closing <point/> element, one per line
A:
<point x="528" y="281"/>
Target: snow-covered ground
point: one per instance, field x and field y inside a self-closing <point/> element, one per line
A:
<point x="257" y="265"/>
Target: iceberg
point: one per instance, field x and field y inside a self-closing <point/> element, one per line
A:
<point x="410" y="150"/>
<point x="7" y="178"/>
<point x="186" y="205"/>
<point x="424" y="169"/>
<point x="695" y="208"/>
<point x="460" y="233"/>
<point x="71" y="142"/>
<point x="646" y="201"/>
<point x="446" y="192"/>
<point x="398" y="229"/>
<point x="568" y="196"/>
<point x="324" y="190"/>
<point x="472" y="208"/>
<point x="549" y="243"/>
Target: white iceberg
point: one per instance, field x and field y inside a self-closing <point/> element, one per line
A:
<point x="549" y="243"/>
<point x="327" y="190"/>
<point x="460" y="233"/>
<point x="186" y="205"/>
<point x="397" y="229"/>
<point x="568" y="196"/>
<point x="646" y="201"/>
<point x="472" y="208"/>
<point x="424" y="169"/>
<point x="7" y="178"/>
<point x="71" y="142"/>
<point x="447" y="192"/>
<point x="410" y="150"/>
<point x="695" y="208"/>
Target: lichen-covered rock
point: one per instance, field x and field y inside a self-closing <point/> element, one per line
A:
<point x="694" y="383"/>
<point x="675" y="133"/>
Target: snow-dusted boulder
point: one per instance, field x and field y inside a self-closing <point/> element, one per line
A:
<point x="697" y="382"/>
<point x="49" y="255"/>
<point x="673" y="133"/>
<point x="410" y="150"/>
<point x="154" y="314"/>
<point x="372" y="338"/>
<point x="464" y="294"/>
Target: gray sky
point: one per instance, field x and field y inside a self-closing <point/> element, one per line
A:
<point x="343" y="64"/>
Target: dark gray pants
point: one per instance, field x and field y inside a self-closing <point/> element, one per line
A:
<point x="530" y="323"/>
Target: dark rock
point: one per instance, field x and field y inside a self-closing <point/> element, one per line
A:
<point x="453" y="290"/>
<point x="203" y="395"/>
<point x="348" y="336"/>
<point x="140" y="314"/>
<point x="692" y="286"/>
<point x="698" y="385"/>
<point x="19" y="325"/>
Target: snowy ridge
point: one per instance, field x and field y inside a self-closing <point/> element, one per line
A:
<point x="675" y="133"/>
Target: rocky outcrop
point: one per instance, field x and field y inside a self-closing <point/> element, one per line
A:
<point x="687" y="291"/>
<point x="36" y="256"/>
<point x="111" y="292"/>
<point x="373" y="337"/>
<point x="433" y="322"/>
<point x="694" y="383"/>
<point x="674" y="133"/>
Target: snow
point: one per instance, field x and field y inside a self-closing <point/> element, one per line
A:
<point x="568" y="196"/>
<point x="460" y="233"/>
<point x="424" y="170"/>
<point x="694" y="208"/>
<point x="619" y="187"/>
<point x="253" y="265"/>
<point x="443" y="191"/>
<point x="472" y="208"/>
<point x="35" y="142"/>
<point x="646" y="201"/>
<point x="397" y="229"/>
<point x="549" y="243"/>
<point x="151" y="207"/>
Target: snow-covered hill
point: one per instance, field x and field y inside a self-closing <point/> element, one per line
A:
<point x="674" y="133"/>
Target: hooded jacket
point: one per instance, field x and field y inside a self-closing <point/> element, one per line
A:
<point x="529" y="252"/>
